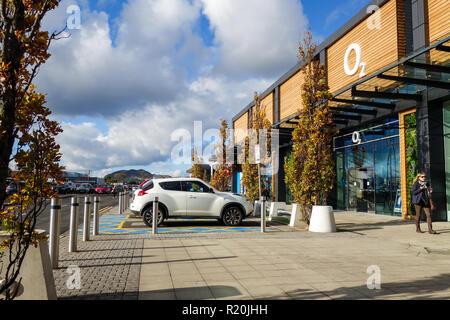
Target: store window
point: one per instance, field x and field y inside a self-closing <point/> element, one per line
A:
<point x="368" y="169"/>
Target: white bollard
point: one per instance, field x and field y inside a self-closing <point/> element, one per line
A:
<point x="73" y="236"/>
<point x="263" y="214"/>
<point x="55" y="218"/>
<point x="95" y="229"/>
<point x="155" y="216"/>
<point x="120" y="203"/>
<point x="87" y="218"/>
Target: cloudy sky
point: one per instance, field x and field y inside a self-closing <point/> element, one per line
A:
<point x="137" y="70"/>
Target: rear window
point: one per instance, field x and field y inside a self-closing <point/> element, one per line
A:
<point x="147" y="185"/>
<point x="171" y="186"/>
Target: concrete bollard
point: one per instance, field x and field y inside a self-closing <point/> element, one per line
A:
<point x="95" y="229"/>
<point x="263" y="214"/>
<point x="155" y="216"/>
<point x="87" y="218"/>
<point x="73" y="235"/>
<point x="55" y="220"/>
<point x="120" y="203"/>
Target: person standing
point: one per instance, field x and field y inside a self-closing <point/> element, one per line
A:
<point x="421" y="198"/>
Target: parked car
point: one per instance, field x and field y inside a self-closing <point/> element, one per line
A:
<point x="84" y="188"/>
<point x="11" y="188"/>
<point x="103" y="189"/>
<point x="70" y="187"/>
<point x="191" y="198"/>
<point x="118" y="189"/>
<point x="60" y="189"/>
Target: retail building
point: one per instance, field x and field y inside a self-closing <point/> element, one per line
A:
<point x="388" y="69"/>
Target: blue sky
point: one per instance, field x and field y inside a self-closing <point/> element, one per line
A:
<point x="138" y="70"/>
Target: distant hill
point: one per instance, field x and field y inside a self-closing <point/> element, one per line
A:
<point x="137" y="175"/>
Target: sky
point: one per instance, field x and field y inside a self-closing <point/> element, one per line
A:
<point x="130" y="73"/>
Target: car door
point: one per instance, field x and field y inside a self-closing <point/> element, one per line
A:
<point x="200" y="201"/>
<point x="173" y="197"/>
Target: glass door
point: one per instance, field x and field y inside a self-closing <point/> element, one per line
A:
<point x="360" y="189"/>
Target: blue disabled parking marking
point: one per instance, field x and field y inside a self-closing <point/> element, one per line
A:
<point x="114" y="224"/>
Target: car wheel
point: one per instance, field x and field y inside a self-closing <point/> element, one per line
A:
<point x="147" y="215"/>
<point x="232" y="216"/>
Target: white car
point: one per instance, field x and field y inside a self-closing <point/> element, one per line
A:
<point x="188" y="197"/>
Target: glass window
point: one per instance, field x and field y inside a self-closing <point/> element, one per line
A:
<point x="194" y="186"/>
<point x="171" y="186"/>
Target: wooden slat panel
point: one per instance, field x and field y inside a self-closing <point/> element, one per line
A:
<point x="267" y="103"/>
<point x="439" y="18"/>
<point x="242" y="124"/>
<point x="290" y="96"/>
<point x="379" y="47"/>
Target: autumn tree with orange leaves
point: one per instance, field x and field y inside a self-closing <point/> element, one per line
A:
<point x="27" y="135"/>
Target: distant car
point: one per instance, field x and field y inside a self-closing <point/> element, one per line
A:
<point x="103" y="189"/>
<point x="60" y="189"/>
<point x="84" y="188"/>
<point x="117" y="189"/>
<point x="11" y="188"/>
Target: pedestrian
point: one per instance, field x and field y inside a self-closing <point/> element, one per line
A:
<point x="114" y="191"/>
<point x="421" y="198"/>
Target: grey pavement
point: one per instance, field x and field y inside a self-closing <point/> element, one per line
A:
<point x="284" y="264"/>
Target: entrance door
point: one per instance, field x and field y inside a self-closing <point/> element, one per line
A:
<point x="360" y="190"/>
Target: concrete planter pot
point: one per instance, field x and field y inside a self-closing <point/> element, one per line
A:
<point x="322" y="220"/>
<point x="36" y="273"/>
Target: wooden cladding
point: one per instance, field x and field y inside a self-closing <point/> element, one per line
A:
<point x="291" y="96"/>
<point x="438" y="19"/>
<point x="379" y="46"/>
<point x="267" y="105"/>
<point x="240" y="128"/>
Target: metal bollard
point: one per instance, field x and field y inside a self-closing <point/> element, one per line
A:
<point x="73" y="224"/>
<point x="155" y="216"/>
<point x="55" y="218"/>
<point x="95" y="229"/>
<point x="263" y="214"/>
<point x="120" y="203"/>
<point x="87" y="218"/>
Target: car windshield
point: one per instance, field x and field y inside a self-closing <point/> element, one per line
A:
<point x="102" y="186"/>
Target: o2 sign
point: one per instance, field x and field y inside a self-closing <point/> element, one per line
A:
<point x="356" y="137"/>
<point x="358" y="63"/>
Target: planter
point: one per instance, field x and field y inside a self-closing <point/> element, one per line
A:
<point x="36" y="273"/>
<point x="322" y="219"/>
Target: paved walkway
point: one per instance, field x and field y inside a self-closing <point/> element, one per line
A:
<point x="280" y="264"/>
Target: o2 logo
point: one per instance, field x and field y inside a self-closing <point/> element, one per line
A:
<point x="356" y="137"/>
<point x="358" y="63"/>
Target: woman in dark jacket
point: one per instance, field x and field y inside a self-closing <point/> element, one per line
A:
<point x="421" y="200"/>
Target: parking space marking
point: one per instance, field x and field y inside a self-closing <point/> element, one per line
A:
<point x="115" y="224"/>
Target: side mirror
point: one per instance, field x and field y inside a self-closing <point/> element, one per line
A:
<point x="211" y="190"/>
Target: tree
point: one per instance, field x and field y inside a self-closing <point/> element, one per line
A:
<point x="37" y="158"/>
<point x="196" y="170"/>
<point x="309" y="169"/>
<point x="250" y="176"/>
<point x="24" y="123"/>
<point x="24" y="48"/>
<point x="222" y="178"/>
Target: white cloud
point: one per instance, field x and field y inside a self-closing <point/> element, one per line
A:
<point x="254" y="37"/>
<point x="157" y="75"/>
